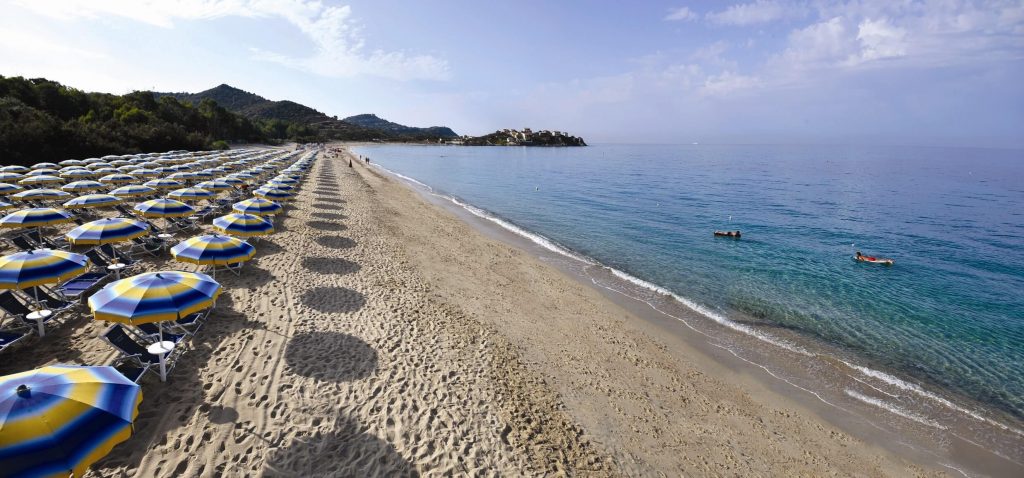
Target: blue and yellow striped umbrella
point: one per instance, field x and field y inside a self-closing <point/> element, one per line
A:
<point x="35" y="217"/>
<point x="118" y="178"/>
<point x="190" y="194"/>
<point x="272" y="193"/>
<point x="93" y="200"/>
<point x="275" y="184"/>
<point x="83" y="185"/>
<point x="164" y="207"/>
<point x="5" y="206"/>
<point x="17" y="168"/>
<point x="59" y="420"/>
<point x="44" y="165"/>
<point x="78" y="174"/>
<point x="164" y="184"/>
<point x="243" y="225"/>
<point x="106" y="231"/>
<point x="7" y="188"/>
<point x="257" y="206"/>
<point x="214" y="185"/>
<point x="133" y="190"/>
<point x="40" y="179"/>
<point x="40" y="195"/>
<point x="213" y="249"/>
<point x="154" y="297"/>
<point x="10" y="177"/>
<point x="41" y="266"/>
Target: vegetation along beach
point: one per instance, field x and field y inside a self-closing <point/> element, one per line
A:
<point x="324" y="239"/>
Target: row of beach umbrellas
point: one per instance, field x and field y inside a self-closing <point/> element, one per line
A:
<point x="58" y="420"/>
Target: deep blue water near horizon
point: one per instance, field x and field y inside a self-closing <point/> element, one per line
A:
<point x="950" y="312"/>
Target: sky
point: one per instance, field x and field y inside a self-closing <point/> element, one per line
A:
<point x="914" y="72"/>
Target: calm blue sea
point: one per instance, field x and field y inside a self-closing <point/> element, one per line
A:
<point x="950" y="313"/>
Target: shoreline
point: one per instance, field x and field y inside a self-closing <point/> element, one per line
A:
<point x="946" y="451"/>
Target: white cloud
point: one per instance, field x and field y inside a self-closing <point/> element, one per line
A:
<point x="879" y="40"/>
<point x="681" y="14"/>
<point x="727" y="82"/>
<point x="340" y="48"/>
<point x="819" y="44"/>
<point x="760" y="11"/>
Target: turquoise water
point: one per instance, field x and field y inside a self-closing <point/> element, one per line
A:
<point x="950" y="313"/>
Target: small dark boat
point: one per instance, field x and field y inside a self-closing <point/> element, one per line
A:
<point x="732" y="234"/>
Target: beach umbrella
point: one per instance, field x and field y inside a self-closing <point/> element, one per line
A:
<point x="106" y="231"/>
<point x="45" y="166"/>
<point x="213" y="250"/>
<point x="128" y="169"/>
<point x="22" y="270"/>
<point x="83" y="185"/>
<point x="117" y="178"/>
<point x="41" y="266"/>
<point x="243" y="225"/>
<point x="77" y="174"/>
<point x="10" y="177"/>
<point x="288" y="188"/>
<point x="154" y="297"/>
<point x="145" y="173"/>
<point x="164" y="184"/>
<point x="232" y="181"/>
<point x="257" y="206"/>
<point x="40" y="195"/>
<point x="14" y="169"/>
<point x="60" y="419"/>
<point x="133" y="190"/>
<point x="42" y="172"/>
<point x="105" y="170"/>
<point x="40" y="179"/>
<point x="5" y="206"/>
<point x="190" y="194"/>
<point x="273" y="194"/>
<point x="88" y="161"/>
<point x="215" y="185"/>
<point x="163" y="207"/>
<point x="36" y="217"/>
<point x="71" y="162"/>
<point x="6" y="188"/>
<point x="93" y="200"/>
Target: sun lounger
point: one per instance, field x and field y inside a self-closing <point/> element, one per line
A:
<point x="132" y="371"/>
<point x="133" y="352"/>
<point x="118" y="256"/>
<point x="15" y="308"/>
<point x="80" y="287"/>
<point x="49" y="301"/>
<point x="171" y="331"/>
<point x="10" y="337"/>
<point x="24" y="243"/>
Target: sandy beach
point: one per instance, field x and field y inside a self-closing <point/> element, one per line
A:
<point x="376" y="334"/>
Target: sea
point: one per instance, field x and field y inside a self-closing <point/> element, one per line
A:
<point x="932" y="346"/>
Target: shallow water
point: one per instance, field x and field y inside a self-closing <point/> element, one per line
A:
<point x="948" y="314"/>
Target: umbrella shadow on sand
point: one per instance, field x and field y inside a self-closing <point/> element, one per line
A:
<point x="330" y="356"/>
<point x="327" y="225"/>
<point x="328" y="215"/>
<point x="350" y="450"/>
<point x="169" y="406"/>
<point x="329" y="265"/>
<point x="332" y="205"/>
<point x="333" y="299"/>
<point x="336" y="242"/>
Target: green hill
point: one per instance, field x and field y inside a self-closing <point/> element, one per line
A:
<point x="42" y="120"/>
<point x="361" y="127"/>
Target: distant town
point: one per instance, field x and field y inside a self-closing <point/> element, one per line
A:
<point x="513" y="137"/>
